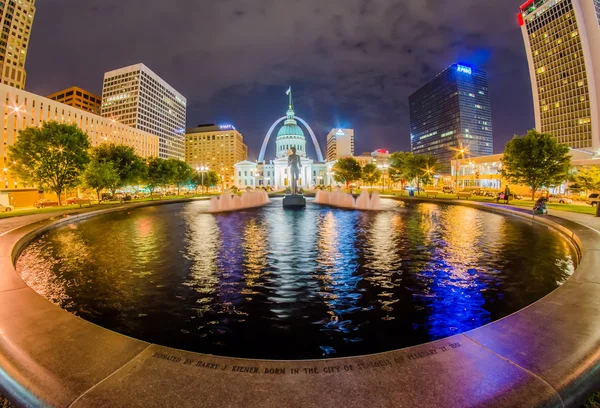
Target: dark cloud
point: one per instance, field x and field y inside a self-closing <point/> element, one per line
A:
<point x="351" y="62"/>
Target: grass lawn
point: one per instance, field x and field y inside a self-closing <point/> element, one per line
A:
<point x="30" y="210"/>
<point x="577" y="208"/>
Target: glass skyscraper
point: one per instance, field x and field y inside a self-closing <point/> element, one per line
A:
<point x="450" y="113"/>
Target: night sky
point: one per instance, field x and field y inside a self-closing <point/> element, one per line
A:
<point x="351" y="63"/>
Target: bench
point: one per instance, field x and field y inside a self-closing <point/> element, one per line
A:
<point x="430" y="193"/>
<point x="464" y="194"/>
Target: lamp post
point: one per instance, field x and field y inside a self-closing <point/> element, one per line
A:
<point x="460" y="155"/>
<point x="202" y="169"/>
<point x="383" y="167"/>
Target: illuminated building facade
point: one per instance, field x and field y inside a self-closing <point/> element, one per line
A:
<point x="486" y="172"/>
<point x="137" y="97"/>
<point x="562" y="39"/>
<point x="275" y="173"/>
<point x="450" y="113"/>
<point x="340" y="143"/>
<point x="16" y="19"/>
<point x="217" y="147"/>
<point x="23" y="109"/>
<point x="79" y="98"/>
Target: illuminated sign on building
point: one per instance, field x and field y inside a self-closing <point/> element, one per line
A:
<point x="463" y="69"/>
<point x="226" y="127"/>
<point x="339" y="132"/>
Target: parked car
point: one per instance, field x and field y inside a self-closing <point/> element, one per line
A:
<point x="44" y="202"/>
<point x="71" y="200"/>
<point x="6" y="208"/>
<point x="593" y="199"/>
<point x="556" y="198"/>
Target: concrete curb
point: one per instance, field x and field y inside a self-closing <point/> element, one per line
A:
<point x="544" y="355"/>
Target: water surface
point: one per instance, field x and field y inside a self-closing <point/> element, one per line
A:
<point x="281" y="284"/>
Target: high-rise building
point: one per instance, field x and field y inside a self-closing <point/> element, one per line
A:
<point x="340" y="143"/>
<point x="25" y="109"/>
<point x="562" y="39"/>
<point x="217" y="147"/>
<point x="452" y="113"/>
<point x="137" y="97"/>
<point x="16" y="19"/>
<point x="79" y="98"/>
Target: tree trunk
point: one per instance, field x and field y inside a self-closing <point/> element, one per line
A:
<point x="98" y="194"/>
<point x="533" y="190"/>
<point x="58" y="193"/>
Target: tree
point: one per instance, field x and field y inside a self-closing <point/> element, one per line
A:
<point x="51" y="157"/>
<point x="419" y="167"/>
<point x="536" y="160"/>
<point x="370" y="174"/>
<point x="347" y="170"/>
<point x="181" y="173"/>
<point x="397" y="169"/>
<point x="100" y="175"/>
<point x="587" y="178"/>
<point x="205" y="179"/>
<point x="129" y="166"/>
<point x="159" y="173"/>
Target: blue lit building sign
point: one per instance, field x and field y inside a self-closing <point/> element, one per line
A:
<point x="464" y="69"/>
<point x="339" y="132"/>
<point x="226" y="127"/>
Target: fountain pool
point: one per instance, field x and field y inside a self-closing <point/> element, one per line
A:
<point x="320" y="283"/>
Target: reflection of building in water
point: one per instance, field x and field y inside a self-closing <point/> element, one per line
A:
<point x="453" y="278"/>
<point x="203" y="239"/>
<point x="338" y="263"/>
<point x="256" y="250"/>
<point x="276" y="173"/>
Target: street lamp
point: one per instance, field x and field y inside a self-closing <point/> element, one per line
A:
<point x="383" y="167"/>
<point x="202" y="169"/>
<point x="459" y="156"/>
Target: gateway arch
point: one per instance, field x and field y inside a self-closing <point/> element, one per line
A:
<point x="263" y="149"/>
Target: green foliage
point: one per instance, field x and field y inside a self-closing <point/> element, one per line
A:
<point x="397" y="169"/>
<point x="180" y="172"/>
<point x="587" y="178"/>
<point x="370" y="174"/>
<point x="50" y="157"/>
<point x="409" y="166"/>
<point x="130" y="167"/>
<point x="347" y="170"/>
<point x="160" y="173"/>
<point x="100" y="175"/>
<point x="536" y="160"/>
<point x="205" y="179"/>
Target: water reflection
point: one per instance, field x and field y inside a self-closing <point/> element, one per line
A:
<point x="270" y="283"/>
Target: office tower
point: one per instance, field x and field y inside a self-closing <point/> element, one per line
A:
<point x="25" y="109"/>
<point x="562" y="39"/>
<point x="79" y="98"/>
<point x="452" y="113"/>
<point x="217" y="147"/>
<point x="340" y="143"/>
<point x="137" y="97"/>
<point x="16" y="18"/>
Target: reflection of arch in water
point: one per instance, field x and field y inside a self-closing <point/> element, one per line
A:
<point x="263" y="149"/>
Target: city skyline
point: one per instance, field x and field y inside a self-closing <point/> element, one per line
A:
<point x="354" y="66"/>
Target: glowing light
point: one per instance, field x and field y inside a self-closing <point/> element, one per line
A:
<point x="227" y="127"/>
<point x="464" y="69"/>
<point x="340" y="132"/>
